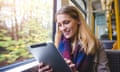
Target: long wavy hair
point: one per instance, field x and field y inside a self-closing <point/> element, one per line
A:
<point x="88" y="41"/>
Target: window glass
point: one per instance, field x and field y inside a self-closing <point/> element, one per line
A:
<point x="23" y="22"/>
<point x="101" y="29"/>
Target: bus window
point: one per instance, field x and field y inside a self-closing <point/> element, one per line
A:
<point x="23" y="22"/>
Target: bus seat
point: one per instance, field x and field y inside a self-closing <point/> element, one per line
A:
<point x="114" y="59"/>
<point x="108" y="44"/>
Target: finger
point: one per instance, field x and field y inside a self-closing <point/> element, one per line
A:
<point x="40" y="64"/>
<point x="65" y="59"/>
<point x="72" y="65"/>
<point x="51" y="70"/>
<point x="44" y="68"/>
<point x="39" y="70"/>
<point x="68" y="62"/>
<point x="73" y="68"/>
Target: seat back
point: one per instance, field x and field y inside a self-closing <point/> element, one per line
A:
<point x="114" y="59"/>
<point x="108" y="44"/>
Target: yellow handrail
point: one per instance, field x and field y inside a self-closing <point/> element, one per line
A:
<point x="117" y="15"/>
<point x="110" y="27"/>
<point x="93" y="24"/>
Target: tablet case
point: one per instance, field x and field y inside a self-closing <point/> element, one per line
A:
<point x="47" y="53"/>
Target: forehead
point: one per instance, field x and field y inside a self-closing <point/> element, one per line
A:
<point x="62" y="17"/>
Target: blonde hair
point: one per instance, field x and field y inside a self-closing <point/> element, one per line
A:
<point x="88" y="40"/>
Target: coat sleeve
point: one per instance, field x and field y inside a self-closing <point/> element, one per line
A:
<point x="102" y="61"/>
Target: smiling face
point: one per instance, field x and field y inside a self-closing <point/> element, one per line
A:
<point x="67" y="25"/>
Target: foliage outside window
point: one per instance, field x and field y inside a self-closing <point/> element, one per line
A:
<point x="23" y="22"/>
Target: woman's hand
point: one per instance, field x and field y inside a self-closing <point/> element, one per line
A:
<point x="44" y="68"/>
<point x="71" y="65"/>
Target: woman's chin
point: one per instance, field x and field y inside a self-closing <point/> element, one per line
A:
<point x="67" y="37"/>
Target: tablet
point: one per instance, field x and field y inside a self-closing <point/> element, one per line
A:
<point x="48" y="54"/>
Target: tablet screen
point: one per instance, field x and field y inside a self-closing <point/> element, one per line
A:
<point x="47" y="53"/>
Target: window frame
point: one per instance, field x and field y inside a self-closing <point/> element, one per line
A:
<point x="31" y="60"/>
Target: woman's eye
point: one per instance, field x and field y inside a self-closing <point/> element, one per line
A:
<point x="59" y="25"/>
<point x="66" y="22"/>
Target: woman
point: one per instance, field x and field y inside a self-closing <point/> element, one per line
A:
<point x="81" y="50"/>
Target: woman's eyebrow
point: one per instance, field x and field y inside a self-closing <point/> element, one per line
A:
<point x="66" y="21"/>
